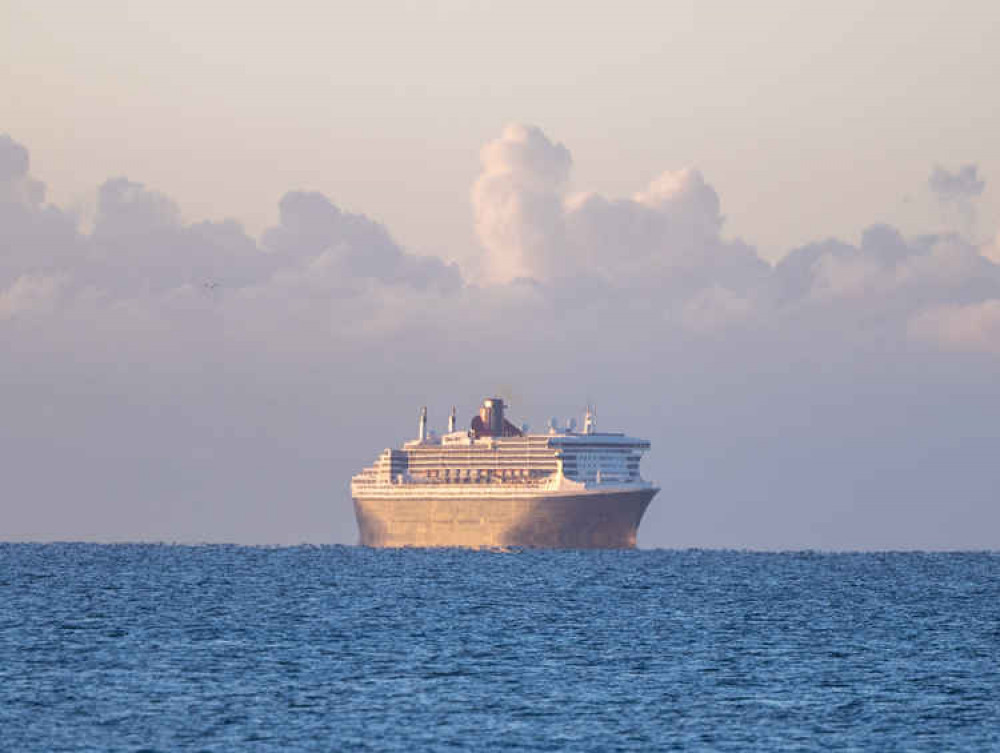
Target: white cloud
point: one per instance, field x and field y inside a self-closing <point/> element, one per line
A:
<point x="517" y="206"/>
<point x="667" y="236"/>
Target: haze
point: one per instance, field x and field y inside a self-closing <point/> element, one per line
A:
<point x="240" y="247"/>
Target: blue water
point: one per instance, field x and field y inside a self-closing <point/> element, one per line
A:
<point x="169" y="648"/>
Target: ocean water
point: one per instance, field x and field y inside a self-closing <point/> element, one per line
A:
<point x="172" y="648"/>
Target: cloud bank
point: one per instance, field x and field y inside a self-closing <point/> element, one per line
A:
<point x="173" y="380"/>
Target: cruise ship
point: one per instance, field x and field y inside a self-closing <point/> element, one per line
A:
<point x="497" y="485"/>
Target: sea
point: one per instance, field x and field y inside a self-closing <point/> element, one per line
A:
<point x="156" y="647"/>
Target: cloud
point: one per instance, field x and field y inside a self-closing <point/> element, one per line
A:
<point x="193" y="382"/>
<point x="13" y="159"/>
<point x="28" y="295"/>
<point x="516" y="203"/>
<point x="714" y="309"/>
<point x="991" y="251"/>
<point x="957" y="193"/>
<point x="667" y="236"/>
<point x="885" y="278"/>
<point x="960" y="185"/>
<point x="311" y="227"/>
<point x="972" y="328"/>
<point x="35" y="239"/>
<point x="527" y="155"/>
<point x="140" y="245"/>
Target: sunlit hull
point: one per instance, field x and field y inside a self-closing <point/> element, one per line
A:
<point x="593" y="519"/>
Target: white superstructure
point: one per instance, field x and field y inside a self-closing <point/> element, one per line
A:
<point x="494" y="459"/>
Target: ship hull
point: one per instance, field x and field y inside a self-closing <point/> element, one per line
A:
<point x="594" y="519"/>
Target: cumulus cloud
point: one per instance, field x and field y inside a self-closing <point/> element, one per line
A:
<point x="312" y="227"/>
<point x="16" y="186"/>
<point x="13" y="159"/>
<point x="198" y="383"/>
<point x="962" y="184"/>
<point x="516" y="202"/>
<point x="667" y="237"/>
<point x="140" y="246"/>
<point x="956" y="193"/>
<point x="885" y="279"/>
<point x="34" y="238"/>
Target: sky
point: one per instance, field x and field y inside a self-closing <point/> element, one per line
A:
<point x="241" y="246"/>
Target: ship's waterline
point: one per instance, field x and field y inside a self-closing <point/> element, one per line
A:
<point x="497" y="486"/>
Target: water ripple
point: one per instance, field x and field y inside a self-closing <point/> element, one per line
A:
<point x="167" y="648"/>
